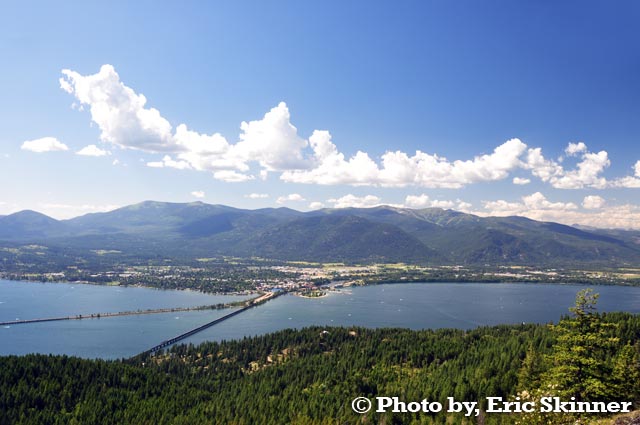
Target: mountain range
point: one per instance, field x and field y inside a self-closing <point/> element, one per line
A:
<point x="379" y="234"/>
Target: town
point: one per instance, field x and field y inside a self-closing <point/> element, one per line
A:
<point x="241" y="276"/>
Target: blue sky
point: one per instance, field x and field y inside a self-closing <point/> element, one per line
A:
<point x="495" y="107"/>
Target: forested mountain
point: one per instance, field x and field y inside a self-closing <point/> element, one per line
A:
<point x="429" y="236"/>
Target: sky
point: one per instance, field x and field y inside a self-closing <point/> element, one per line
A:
<point x="527" y="108"/>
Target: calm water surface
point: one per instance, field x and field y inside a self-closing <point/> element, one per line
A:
<point x="415" y="306"/>
<point x="421" y="306"/>
<point x="112" y="337"/>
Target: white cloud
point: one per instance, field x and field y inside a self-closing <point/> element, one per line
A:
<point x="620" y="216"/>
<point x="593" y="202"/>
<point x="231" y="176"/>
<point x="573" y="149"/>
<point x="272" y="144"/>
<point x="417" y="201"/>
<point x="168" y="162"/>
<point x="442" y="204"/>
<point x="92" y="150"/>
<point x="352" y="201"/>
<point x="119" y="112"/>
<point x="293" y="197"/>
<point x="272" y="141"/>
<point x="629" y="181"/>
<point x="316" y="205"/>
<point x="502" y="207"/>
<point x="197" y="194"/>
<point x="115" y="162"/>
<point x="204" y="151"/>
<point x="330" y="166"/>
<point x="532" y="204"/>
<point x="537" y="201"/>
<point x="587" y="173"/>
<point x="44" y="144"/>
<point x="540" y="167"/>
<point x="423" y="201"/>
<point x="521" y="181"/>
<point x="399" y="169"/>
<point x="125" y="119"/>
<point x="464" y="206"/>
<point x="257" y="196"/>
<point x="538" y="207"/>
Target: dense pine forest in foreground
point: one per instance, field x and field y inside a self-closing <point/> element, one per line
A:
<point x="311" y="375"/>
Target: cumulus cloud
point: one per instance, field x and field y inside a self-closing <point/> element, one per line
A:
<point x="92" y="150"/>
<point x="537" y="201"/>
<point x="464" y="206"/>
<point x="352" y="201"/>
<point x="399" y="169"/>
<point x="231" y="176"/>
<point x="423" y="201"/>
<point x="168" y="162"/>
<point x="619" y="216"/>
<point x="586" y="174"/>
<point x="293" y="197"/>
<point x="596" y="213"/>
<point x="331" y="167"/>
<point x="272" y="145"/>
<point x="257" y="196"/>
<point x="44" y="144"/>
<point x="531" y="205"/>
<point x="540" y="167"/>
<point x="205" y="152"/>
<point x="593" y="202"/>
<point x="632" y="182"/>
<point x="272" y="141"/>
<point x="573" y="149"/>
<point x="316" y="205"/>
<point x="121" y="114"/>
<point x="521" y="181"/>
<point x="125" y="120"/>
<point x="197" y="194"/>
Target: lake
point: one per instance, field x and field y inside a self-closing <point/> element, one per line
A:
<point x="407" y="305"/>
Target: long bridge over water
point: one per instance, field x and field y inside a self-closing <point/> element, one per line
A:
<point x="249" y="304"/>
<point x="118" y="314"/>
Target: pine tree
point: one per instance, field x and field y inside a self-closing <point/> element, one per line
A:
<point x="626" y="373"/>
<point x="580" y="366"/>
<point x="531" y="370"/>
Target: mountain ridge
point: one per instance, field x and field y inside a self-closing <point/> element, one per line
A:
<point x="377" y="234"/>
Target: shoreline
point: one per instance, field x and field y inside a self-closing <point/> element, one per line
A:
<point x="369" y="283"/>
<point x="137" y="285"/>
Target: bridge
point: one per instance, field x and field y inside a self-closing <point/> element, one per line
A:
<point x="251" y="303"/>
<point x="121" y="313"/>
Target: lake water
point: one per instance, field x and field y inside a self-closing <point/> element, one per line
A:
<point x="415" y="306"/>
<point x="111" y="337"/>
